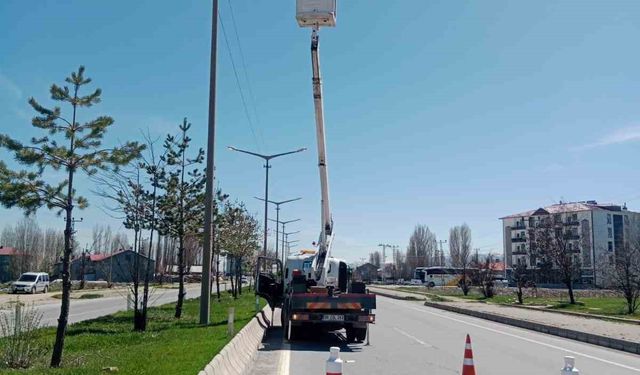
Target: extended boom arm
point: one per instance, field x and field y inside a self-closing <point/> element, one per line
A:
<point x="321" y="260"/>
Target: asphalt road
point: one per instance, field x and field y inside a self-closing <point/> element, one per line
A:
<point x="409" y="338"/>
<point x="113" y="302"/>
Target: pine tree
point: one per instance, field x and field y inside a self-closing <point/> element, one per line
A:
<point x="182" y="205"/>
<point x="69" y="146"/>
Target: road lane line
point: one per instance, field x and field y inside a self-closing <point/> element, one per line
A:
<point x="524" y="339"/>
<point x="412" y="337"/>
<point x="285" y="359"/>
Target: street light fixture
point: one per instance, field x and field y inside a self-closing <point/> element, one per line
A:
<point x="278" y="216"/>
<point x="266" y="158"/>
<point x="284" y="223"/>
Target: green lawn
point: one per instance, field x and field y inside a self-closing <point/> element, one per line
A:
<point x="170" y="346"/>
<point x="609" y="306"/>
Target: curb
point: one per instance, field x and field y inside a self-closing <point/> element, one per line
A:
<point x="395" y="296"/>
<point x="237" y="356"/>
<point x="608" y="342"/>
<point x="582" y="315"/>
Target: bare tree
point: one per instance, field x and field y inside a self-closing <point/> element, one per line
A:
<point x="485" y="272"/>
<point x="521" y="278"/>
<point x="622" y="272"/>
<point x="560" y="247"/>
<point x="422" y="247"/>
<point x="460" y="252"/>
<point x="375" y="258"/>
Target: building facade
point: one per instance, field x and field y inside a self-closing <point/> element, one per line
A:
<point x="594" y="231"/>
<point x="118" y="267"/>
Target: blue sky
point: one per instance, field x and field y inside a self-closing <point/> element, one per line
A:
<point x="437" y="112"/>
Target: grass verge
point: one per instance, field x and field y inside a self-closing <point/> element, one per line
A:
<point x="169" y="346"/>
<point x="607" y="306"/>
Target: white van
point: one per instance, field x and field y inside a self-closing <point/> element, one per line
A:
<point x="31" y="282"/>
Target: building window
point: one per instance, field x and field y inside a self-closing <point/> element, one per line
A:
<point x="610" y="232"/>
<point x="608" y="218"/>
<point x="626" y="220"/>
<point x="610" y="246"/>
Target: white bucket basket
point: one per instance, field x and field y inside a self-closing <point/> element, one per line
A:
<point x="316" y="13"/>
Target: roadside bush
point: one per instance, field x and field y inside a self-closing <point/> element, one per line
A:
<point x="20" y="345"/>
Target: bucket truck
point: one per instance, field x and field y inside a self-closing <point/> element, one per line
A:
<point x="313" y="288"/>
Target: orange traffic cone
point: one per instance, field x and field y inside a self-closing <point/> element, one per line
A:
<point x="467" y="365"/>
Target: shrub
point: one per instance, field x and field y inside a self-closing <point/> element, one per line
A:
<point x="21" y="344"/>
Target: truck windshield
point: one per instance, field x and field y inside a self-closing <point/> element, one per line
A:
<point x="27" y="278"/>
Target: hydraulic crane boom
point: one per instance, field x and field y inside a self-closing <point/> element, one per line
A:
<point x="320" y="262"/>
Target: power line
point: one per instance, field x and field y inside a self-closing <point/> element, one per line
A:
<point x="246" y="72"/>
<point x="235" y="73"/>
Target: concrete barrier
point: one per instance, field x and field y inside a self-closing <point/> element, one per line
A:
<point x="237" y="356"/>
<point x="608" y="342"/>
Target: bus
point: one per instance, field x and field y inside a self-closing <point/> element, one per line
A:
<point x="438" y="276"/>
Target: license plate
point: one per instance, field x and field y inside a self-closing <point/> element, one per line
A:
<point x="333" y="318"/>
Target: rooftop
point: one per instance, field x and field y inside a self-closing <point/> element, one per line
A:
<point x="564" y="207"/>
<point x="8" y="251"/>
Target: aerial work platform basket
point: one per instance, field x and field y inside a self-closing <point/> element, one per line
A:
<point x="316" y="13"/>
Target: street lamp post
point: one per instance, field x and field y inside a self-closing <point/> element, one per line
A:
<point x="285" y="239"/>
<point x="266" y="158"/>
<point x="278" y="216"/>
<point x="284" y="223"/>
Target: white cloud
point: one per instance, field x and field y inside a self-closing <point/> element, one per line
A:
<point x="7" y="85"/>
<point x="623" y="135"/>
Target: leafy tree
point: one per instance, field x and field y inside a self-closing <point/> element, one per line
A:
<point x="240" y="237"/>
<point x="69" y="146"/>
<point x="181" y="208"/>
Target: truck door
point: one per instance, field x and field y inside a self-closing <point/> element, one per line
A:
<point x="270" y="281"/>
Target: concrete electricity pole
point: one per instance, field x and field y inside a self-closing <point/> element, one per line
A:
<point x="209" y="231"/>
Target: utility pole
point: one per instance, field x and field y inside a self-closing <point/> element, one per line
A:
<point x="440" y="258"/>
<point x="209" y="230"/>
<point x="384" y="258"/>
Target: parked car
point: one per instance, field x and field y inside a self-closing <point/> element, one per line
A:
<point x="500" y="282"/>
<point x="31" y="282"/>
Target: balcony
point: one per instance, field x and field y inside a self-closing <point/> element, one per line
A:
<point x="519" y="226"/>
<point x="519" y="252"/>
<point x="571" y="236"/>
<point x="519" y="239"/>
<point x="570" y="222"/>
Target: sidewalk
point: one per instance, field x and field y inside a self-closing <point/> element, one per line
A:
<point x="614" y="330"/>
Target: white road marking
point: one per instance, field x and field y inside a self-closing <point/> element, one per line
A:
<point x="285" y="359"/>
<point x="412" y="337"/>
<point x="525" y="339"/>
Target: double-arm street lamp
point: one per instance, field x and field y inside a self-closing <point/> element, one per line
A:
<point x="278" y="217"/>
<point x="266" y="158"/>
<point x="284" y="223"/>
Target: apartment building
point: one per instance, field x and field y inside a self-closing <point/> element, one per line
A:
<point x="594" y="232"/>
